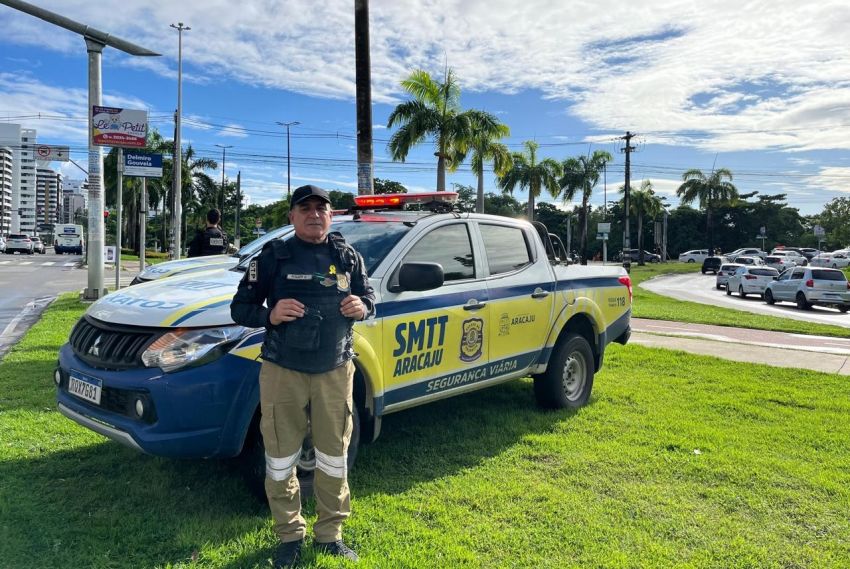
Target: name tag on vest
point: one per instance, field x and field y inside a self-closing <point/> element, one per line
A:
<point x="299" y="277"/>
<point x="216" y="241"/>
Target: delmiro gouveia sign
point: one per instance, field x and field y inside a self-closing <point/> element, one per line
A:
<point x="119" y="127"/>
<point x="142" y="164"/>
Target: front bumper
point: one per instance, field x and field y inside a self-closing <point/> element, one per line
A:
<point x="201" y="412"/>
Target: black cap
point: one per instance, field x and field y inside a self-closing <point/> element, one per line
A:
<point x="304" y="192"/>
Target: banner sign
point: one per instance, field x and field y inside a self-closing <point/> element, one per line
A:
<point x="51" y="153"/>
<point x="119" y="127"/>
<point x="143" y="165"/>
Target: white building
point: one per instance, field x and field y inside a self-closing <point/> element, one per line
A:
<point x="48" y="194"/>
<point x="74" y="200"/>
<point x="6" y="164"/>
<point x="21" y="141"/>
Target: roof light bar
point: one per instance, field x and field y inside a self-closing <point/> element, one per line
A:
<point x="399" y="200"/>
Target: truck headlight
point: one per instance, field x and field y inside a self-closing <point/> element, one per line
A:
<point x="191" y="346"/>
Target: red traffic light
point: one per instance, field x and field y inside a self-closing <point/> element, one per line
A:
<point x="105" y="213"/>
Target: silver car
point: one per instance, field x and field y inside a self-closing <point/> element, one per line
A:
<point x="20" y="243"/>
<point x="750" y="280"/>
<point x="726" y="270"/>
<point x="808" y="286"/>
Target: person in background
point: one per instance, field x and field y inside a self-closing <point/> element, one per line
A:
<point x="211" y="240"/>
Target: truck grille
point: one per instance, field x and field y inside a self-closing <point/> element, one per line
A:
<point x="107" y="346"/>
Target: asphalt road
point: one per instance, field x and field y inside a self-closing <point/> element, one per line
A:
<point x="696" y="287"/>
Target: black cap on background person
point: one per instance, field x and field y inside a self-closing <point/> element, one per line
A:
<point x="308" y="191"/>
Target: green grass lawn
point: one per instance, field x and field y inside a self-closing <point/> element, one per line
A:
<point x="678" y="461"/>
<point x="650" y="305"/>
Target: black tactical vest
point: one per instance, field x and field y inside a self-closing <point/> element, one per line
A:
<point x="321" y="340"/>
<point x="213" y="242"/>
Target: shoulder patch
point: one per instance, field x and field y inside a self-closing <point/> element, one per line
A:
<point x="252" y="271"/>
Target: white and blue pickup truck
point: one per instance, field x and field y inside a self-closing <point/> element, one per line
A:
<point x="464" y="302"/>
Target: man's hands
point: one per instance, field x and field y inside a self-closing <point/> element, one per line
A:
<point x="352" y="307"/>
<point x="286" y="310"/>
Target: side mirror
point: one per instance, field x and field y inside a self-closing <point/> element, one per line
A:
<point x="419" y="277"/>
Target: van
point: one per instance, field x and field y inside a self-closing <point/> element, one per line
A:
<point x="68" y="238"/>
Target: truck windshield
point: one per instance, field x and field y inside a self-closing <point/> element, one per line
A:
<point x="372" y="240"/>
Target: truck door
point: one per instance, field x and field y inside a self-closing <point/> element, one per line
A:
<point x="435" y="341"/>
<point x="521" y="290"/>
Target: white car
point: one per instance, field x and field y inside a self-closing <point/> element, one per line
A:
<point x="695" y="256"/>
<point x="726" y="271"/>
<point x="779" y="262"/>
<point x="747" y="251"/>
<point x="835" y="260"/>
<point x="798" y="259"/>
<point x="749" y="260"/>
<point x="750" y="280"/>
<point x="808" y="286"/>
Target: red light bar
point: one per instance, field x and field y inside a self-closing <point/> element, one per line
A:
<point x="398" y="200"/>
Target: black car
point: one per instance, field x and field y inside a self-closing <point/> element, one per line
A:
<point x="634" y="256"/>
<point x="712" y="264"/>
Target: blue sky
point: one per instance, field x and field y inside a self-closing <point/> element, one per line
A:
<point x="761" y="88"/>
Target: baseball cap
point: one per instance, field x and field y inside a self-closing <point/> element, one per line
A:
<point x="304" y="192"/>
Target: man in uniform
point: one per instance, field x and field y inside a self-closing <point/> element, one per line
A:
<point x="314" y="287"/>
<point x="211" y="240"/>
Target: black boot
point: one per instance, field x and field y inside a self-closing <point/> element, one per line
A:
<point x="337" y="548"/>
<point x="287" y="554"/>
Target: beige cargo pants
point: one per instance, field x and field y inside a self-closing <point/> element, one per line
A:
<point x="284" y="398"/>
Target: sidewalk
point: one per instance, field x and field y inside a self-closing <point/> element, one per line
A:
<point x="778" y="349"/>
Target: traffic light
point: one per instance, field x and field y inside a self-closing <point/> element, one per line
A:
<point x="105" y="214"/>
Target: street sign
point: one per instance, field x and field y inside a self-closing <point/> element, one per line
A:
<point x="602" y="236"/>
<point x="119" y="127"/>
<point x="762" y="231"/>
<point x="258" y="222"/>
<point x="603" y="227"/>
<point x="819" y="231"/>
<point x="51" y="153"/>
<point x="142" y="165"/>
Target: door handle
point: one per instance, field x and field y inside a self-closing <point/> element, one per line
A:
<point x="474" y="305"/>
<point x="539" y="293"/>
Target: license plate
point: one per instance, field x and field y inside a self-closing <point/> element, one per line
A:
<point x="85" y="387"/>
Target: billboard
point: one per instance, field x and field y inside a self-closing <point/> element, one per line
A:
<point x="142" y="164"/>
<point x="119" y="127"/>
<point x="51" y="153"/>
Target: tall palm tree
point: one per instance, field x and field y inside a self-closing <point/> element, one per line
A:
<point x="527" y="173"/>
<point x="643" y="202"/>
<point x="485" y="146"/>
<point x="581" y="174"/>
<point x="711" y="191"/>
<point x="434" y="111"/>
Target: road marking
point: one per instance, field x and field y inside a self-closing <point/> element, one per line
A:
<point x="5" y="262"/>
<point x="70" y="265"/>
<point x="48" y="263"/>
<point x="27" y="263"/>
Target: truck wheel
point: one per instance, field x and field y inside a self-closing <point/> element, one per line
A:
<point x="568" y="379"/>
<point x="802" y="303"/>
<point x="254" y="460"/>
<point x="768" y="297"/>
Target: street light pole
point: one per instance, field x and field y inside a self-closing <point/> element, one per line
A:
<point x="288" y="186"/>
<point x="224" y="148"/>
<point x="177" y="208"/>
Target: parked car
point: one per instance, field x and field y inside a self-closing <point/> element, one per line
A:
<point x="712" y="264"/>
<point x="38" y="245"/>
<point x="748" y="260"/>
<point x="20" y="243"/>
<point x="779" y="262"/>
<point x="2" y="244"/>
<point x="792" y="254"/>
<point x="835" y="260"/>
<point x="808" y="286"/>
<point x="750" y="280"/>
<point x="748" y="251"/>
<point x="648" y="257"/>
<point x="695" y="256"/>
<point x="726" y="270"/>
<point x="809" y="252"/>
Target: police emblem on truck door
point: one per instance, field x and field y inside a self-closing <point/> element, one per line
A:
<point x="472" y="339"/>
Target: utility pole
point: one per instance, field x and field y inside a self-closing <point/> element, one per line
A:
<point x="177" y="209"/>
<point x="363" y="82"/>
<point x="288" y="173"/>
<point x="95" y="40"/>
<point x="627" y="243"/>
<point x="236" y="240"/>
<point x="224" y="148"/>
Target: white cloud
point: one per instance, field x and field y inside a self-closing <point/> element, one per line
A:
<point x="833" y="179"/>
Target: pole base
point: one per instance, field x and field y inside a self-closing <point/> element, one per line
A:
<point x="92" y="294"/>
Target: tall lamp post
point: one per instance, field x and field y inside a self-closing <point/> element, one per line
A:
<point x="224" y="148"/>
<point x="287" y="125"/>
<point x="177" y="208"/>
<point x="95" y="40"/>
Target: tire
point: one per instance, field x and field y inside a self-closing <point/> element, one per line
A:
<point x="802" y="303"/>
<point x="703" y="271"/>
<point x="691" y="261"/>
<point x="568" y="379"/>
<point x="843" y="309"/>
<point x="834" y="266"/>
<point x="253" y="459"/>
<point x="728" y="290"/>
<point x="741" y="292"/>
<point x="718" y="286"/>
<point x="768" y="297"/>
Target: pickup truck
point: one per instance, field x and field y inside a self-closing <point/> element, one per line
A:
<point x="464" y="302"/>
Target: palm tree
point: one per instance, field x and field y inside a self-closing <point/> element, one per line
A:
<point x="711" y="191"/>
<point x="581" y="175"/>
<point x="434" y="111"/>
<point x="485" y="146"/>
<point x="643" y="202"/>
<point x="532" y="175"/>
